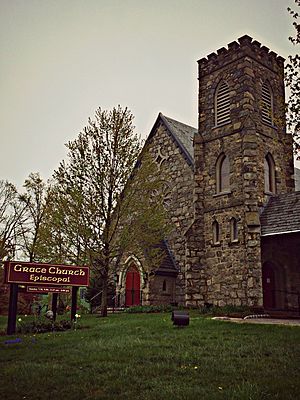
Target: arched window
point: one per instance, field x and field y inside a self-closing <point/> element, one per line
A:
<point x="233" y="230"/>
<point x="216" y="232"/>
<point x="222" y="174"/>
<point x="222" y="104"/>
<point x="164" y="288"/>
<point x="267" y="104"/>
<point x="269" y="170"/>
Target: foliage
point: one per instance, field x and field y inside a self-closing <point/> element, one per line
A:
<point x="149" y="309"/>
<point x="100" y="199"/>
<point x="229" y="310"/>
<point x="42" y="326"/>
<point x="93" y="294"/>
<point x="292" y="79"/>
<point x="12" y="215"/>
<point x="34" y="199"/>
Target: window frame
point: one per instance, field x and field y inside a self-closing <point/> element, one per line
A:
<point x="216" y="233"/>
<point x="220" y="187"/>
<point x="222" y="104"/>
<point x="269" y="175"/>
<point x="234" y="232"/>
<point x="267" y="111"/>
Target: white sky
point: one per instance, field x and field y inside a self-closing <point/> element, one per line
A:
<point x="62" y="59"/>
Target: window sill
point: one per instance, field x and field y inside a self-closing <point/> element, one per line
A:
<point x="221" y="125"/>
<point x="217" y="244"/>
<point x="225" y="192"/>
<point x="270" y="193"/>
<point x="270" y="125"/>
<point x="233" y="242"/>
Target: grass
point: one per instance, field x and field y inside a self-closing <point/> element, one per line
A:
<point x="142" y="356"/>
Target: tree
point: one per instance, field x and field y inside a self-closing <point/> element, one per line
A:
<point x="59" y="238"/>
<point x="12" y="216"/>
<point x="292" y="79"/>
<point x="34" y="200"/>
<point x="103" y="202"/>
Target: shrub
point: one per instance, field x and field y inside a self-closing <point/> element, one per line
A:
<point x="149" y="309"/>
<point x="43" y="326"/>
<point x="228" y="310"/>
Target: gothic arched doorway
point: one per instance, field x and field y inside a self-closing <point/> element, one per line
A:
<point x="133" y="287"/>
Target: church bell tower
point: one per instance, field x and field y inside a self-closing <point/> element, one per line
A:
<point x="243" y="155"/>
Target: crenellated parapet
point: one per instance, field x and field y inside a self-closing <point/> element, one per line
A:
<point x="244" y="47"/>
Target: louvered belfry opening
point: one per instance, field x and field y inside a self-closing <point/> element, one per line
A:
<point x="222" y="104"/>
<point x="267" y="104"/>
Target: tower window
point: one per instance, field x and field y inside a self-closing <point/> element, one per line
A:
<point x="269" y="171"/>
<point x="222" y="174"/>
<point x="222" y="104"/>
<point x="216" y="232"/>
<point x="233" y="230"/>
<point x="267" y="104"/>
<point x="164" y="288"/>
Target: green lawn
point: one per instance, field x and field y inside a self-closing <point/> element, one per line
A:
<point x="142" y="356"/>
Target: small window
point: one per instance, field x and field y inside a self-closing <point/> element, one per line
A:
<point x="233" y="230"/>
<point x="267" y="104"/>
<point x="164" y="288"/>
<point x="216" y="232"/>
<point x="222" y="104"/>
<point x="269" y="171"/>
<point x="222" y="174"/>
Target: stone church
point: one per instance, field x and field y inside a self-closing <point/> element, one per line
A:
<point x="229" y="191"/>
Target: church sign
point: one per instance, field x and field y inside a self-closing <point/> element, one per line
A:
<point x="46" y="274"/>
<point x="42" y="278"/>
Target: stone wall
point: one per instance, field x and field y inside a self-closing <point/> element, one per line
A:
<point x="162" y="290"/>
<point x="177" y="176"/>
<point x="233" y="270"/>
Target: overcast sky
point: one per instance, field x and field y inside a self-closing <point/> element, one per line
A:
<point x="62" y="59"/>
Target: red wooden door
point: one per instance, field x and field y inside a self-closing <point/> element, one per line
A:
<point x="132" y="287"/>
<point x="268" y="281"/>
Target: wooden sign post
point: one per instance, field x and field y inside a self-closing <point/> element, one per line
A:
<point x="13" y="306"/>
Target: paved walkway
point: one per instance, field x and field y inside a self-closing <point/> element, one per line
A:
<point x="291" y="322"/>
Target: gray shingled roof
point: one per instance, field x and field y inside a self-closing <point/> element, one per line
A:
<point x="168" y="265"/>
<point x="281" y="215"/>
<point x="183" y="133"/>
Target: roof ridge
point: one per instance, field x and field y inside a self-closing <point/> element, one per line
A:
<point x="175" y="120"/>
<point x="184" y="150"/>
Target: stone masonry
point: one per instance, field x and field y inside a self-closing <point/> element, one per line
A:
<point x="229" y="272"/>
<point x="167" y="144"/>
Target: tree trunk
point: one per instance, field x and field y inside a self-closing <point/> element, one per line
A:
<point x="104" y="297"/>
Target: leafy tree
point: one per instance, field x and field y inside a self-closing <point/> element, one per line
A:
<point x="12" y="215"/>
<point x="101" y="202"/>
<point x="292" y="79"/>
<point x="34" y="200"/>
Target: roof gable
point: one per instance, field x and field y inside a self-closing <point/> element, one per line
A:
<point x="181" y="134"/>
